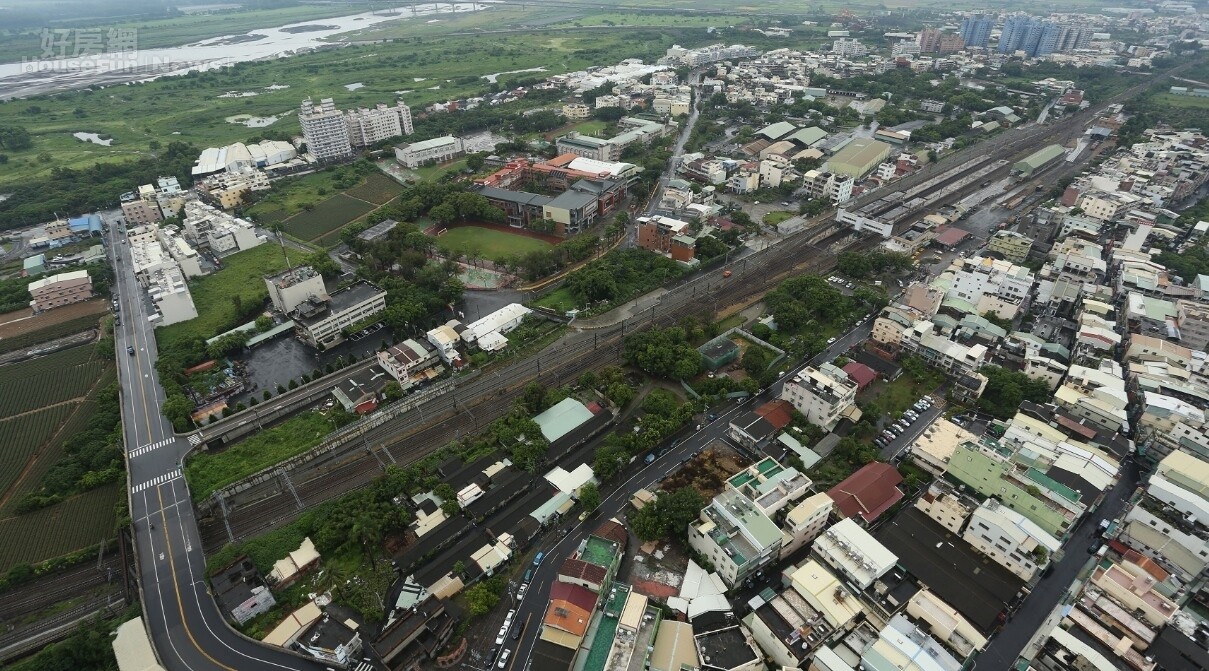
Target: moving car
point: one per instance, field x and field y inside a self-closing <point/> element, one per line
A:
<point x="130" y="350"/>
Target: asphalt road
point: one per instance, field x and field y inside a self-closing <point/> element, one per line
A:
<point x="186" y="628"/>
<point x="1006" y="646"/>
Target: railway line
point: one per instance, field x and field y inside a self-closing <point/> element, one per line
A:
<point x="49" y="591"/>
<point x="445" y="418"/>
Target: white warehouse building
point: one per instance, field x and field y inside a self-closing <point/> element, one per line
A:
<point x="488" y="333"/>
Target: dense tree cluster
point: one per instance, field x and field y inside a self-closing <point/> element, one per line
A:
<point x="69" y="191"/>
<point x="1006" y="390"/>
<point x="862" y="265"/>
<point x="668" y="516"/>
<point x="620" y="275"/>
<point x="664" y="353"/>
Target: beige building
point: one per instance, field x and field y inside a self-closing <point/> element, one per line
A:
<point x="577" y="111"/>
<point x="1134" y="588"/>
<point x="823" y="395"/>
<point x="933" y="448"/>
<point x="944" y="506"/>
<point x="1010" y="539"/>
<point x="1010" y="245"/>
<point x="59" y="290"/>
<point x="138" y="212"/>
<point x="945" y="624"/>
<point x="889" y="326"/>
<point x="805" y="522"/>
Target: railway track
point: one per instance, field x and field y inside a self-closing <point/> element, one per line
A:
<point x="446" y="418"/>
<point x="51" y="590"/>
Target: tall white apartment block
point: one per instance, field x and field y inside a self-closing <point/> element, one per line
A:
<point x="325" y="130"/>
<point x="367" y="126"/>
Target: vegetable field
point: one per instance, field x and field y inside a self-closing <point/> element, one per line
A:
<point x="326" y="217"/>
<point x="36" y="330"/>
<point x="20" y="438"/>
<point x="76" y="523"/>
<point x="377" y="189"/>
<point x="48" y="380"/>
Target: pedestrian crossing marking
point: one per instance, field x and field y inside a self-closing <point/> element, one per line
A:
<point x="166" y="477"/>
<point x="153" y="446"/>
<point x="194" y="439"/>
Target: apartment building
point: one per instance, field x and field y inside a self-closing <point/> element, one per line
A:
<point x="320" y="320"/>
<point x="853" y="554"/>
<point x="890" y="325"/>
<point x="961" y="362"/>
<point x="169" y="292"/>
<point x="436" y="150"/>
<point x="979" y="277"/>
<point x="139" y="212"/>
<point x="823" y="395"/>
<point x="1011" y="245"/>
<point x="291" y="288"/>
<point x="229" y="190"/>
<point x="218" y="230"/>
<point x="577" y="111"/>
<point x="382" y="122"/>
<point x="56" y="291"/>
<point x="1010" y="539"/>
<point x="902" y="644"/>
<point x="933" y="448"/>
<point x="325" y="131"/>
<point x="181" y="252"/>
<point x="804" y="522"/>
<point x="736" y="536"/>
<point x="830" y="185"/>
<point x="945" y="624"/>
<point x="1193" y="321"/>
<point x="668" y="236"/>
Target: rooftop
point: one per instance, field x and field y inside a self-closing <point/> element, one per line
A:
<point x="724" y="649"/>
<point x="869" y="492"/>
<point x="599" y="551"/>
<point x="562" y="418"/>
<point x="977" y="587"/>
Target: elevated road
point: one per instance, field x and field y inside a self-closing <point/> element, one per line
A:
<point x="186" y="628"/>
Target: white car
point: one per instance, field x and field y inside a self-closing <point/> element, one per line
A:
<point x="504" y="658"/>
<point x="830" y="340"/>
<point x="520" y="591"/>
<point x="499" y="638"/>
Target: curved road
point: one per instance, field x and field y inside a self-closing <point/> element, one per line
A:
<point x="186" y="628"/>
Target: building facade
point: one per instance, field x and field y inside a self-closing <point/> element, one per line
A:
<point x="59" y="290"/>
<point x="325" y="130"/>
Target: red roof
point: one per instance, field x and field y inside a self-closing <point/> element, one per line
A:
<point x="778" y="413"/>
<point x="951" y="236"/>
<point x="860" y="373"/>
<point x="612" y="531"/>
<point x="578" y="569"/>
<point x="579" y="597"/>
<point x="868" y="492"/>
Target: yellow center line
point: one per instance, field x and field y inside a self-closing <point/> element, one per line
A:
<point x="176" y="583"/>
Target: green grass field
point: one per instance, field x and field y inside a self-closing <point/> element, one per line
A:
<point x="189" y="109"/>
<point x="208" y="471"/>
<point x="330" y="215"/>
<point x="72" y="525"/>
<point x="774" y="218"/>
<point x="1187" y="102"/>
<point x="242" y="275"/>
<point x="377" y="189"/>
<point x="487" y="242"/>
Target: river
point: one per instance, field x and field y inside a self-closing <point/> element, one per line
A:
<point x="32" y="77"/>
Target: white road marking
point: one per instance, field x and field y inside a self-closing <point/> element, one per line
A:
<point x="153" y="446"/>
<point x="166" y="477"/>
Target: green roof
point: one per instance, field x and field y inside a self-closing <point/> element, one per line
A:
<point x="808" y="136"/>
<point x="599" y="551"/>
<point x="568" y="415"/>
<point x="777" y="130"/>
<point x="1039" y="158"/>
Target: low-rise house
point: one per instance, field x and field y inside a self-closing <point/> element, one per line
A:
<point x="330" y="640"/>
<point x="409" y="361"/>
<point x="853" y="554"/>
<point x="296" y="564"/>
<point x="867" y="493"/>
<point x="56" y="291"/>
<point x="240" y="592"/>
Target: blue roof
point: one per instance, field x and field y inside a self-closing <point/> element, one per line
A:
<point x="88" y="222"/>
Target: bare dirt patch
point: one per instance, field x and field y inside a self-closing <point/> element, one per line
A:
<point x="707" y="472"/>
<point x="25" y="321"/>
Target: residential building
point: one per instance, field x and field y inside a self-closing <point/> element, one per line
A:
<point x="221" y="232"/>
<point x="330" y="640"/>
<point x="240" y="592"/>
<point x="325" y="131"/>
<point x="804" y="522"/>
<point x="169" y="291"/>
<point x="1137" y="590"/>
<point x="445" y="339"/>
<point x="1028" y="34"/>
<point x="294" y="287"/>
<point x="849" y="47"/>
<point x="59" y="290"/>
<point x="853" y="554"/>
<point x="370" y="126"/>
<point x="138" y="212"/>
<point x="414" y="638"/>
<point x="408" y="362"/>
<point x="933" y="448"/>
<point x="320" y="321"/>
<point x="903" y="646"/>
<point x="924" y="339"/>
<point x="736" y="536"/>
<point x="229" y="190"/>
<point x="1193" y="320"/>
<point x="988" y="469"/>
<point x="823" y="395"/>
<point x="668" y="236"/>
<point x="724" y="644"/>
<point x="945" y="624"/>
<point x="1010" y="245"/>
<point x="568" y="615"/>
<point x="976" y="30"/>
<point x="577" y="111"/>
<point x="826" y="594"/>
<point x="437" y="150"/>
<point x="830" y="185"/>
<point x="867" y="493"/>
<point x="1010" y="539"/>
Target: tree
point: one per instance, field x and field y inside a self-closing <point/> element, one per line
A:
<point x="663" y="353"/>
<point x="669" y="515"/>
<point x="15" y="138"/>
<point x="392" y="391"/>
<point x="323" y="263"/>
<point x="264" y="323"/>
<point x="481" y="598"/>
<point x="475" y="162"/>
<point x="620" y="394"/>
<point x="589" y="497"/>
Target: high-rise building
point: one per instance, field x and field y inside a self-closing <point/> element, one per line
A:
<point x="1033" y="36"/>
<point x="976" y="30"/>
<point x="325" y="130"/>
<point x="367" y="126"/>
<point x="929" y="40"/>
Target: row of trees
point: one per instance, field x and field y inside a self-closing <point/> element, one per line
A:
<point x="862" y="265"/>
<point x="620" y="275"/>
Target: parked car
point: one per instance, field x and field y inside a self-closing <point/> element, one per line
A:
<point x="504" y="658"/>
